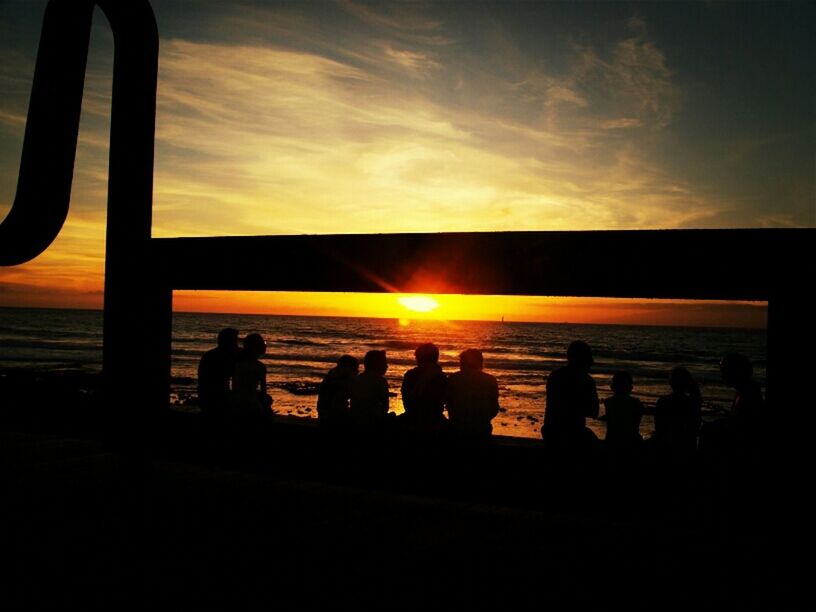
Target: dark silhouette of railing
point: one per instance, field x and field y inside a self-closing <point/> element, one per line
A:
<point x="141" y="273"/>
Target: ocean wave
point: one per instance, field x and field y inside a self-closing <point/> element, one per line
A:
<point x="51" y="345"/>
<point x="398" y="344"/>
<point x="296" y="342"/>
<point x="648" y="356"/>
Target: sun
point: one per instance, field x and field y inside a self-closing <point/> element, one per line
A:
<point x="419" y="303"/>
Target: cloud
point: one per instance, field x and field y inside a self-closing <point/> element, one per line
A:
<point x="414" y="61"/>
<point x="398" y="17"/>
<point x="622" y="123"/>
<point x="16" y="120"/>
<point x="398" y="127"/>
<point x="263" y="139"/>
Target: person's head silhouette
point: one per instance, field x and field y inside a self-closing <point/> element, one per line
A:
<point x="375" y="362"/>
<point x="426" y="354"/>
<point x="228" y="338"/>
<point x="579" y="355"/>
<point x="471" y="359"/>
<point x="254" y="346"/>
<point x="621" y="383"/>
<point x="348" y="362"/>
<point x="680" y="380"/>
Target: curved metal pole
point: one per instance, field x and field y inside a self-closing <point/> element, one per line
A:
<point x="49" y="145"/>
<point x="137" y="303"/>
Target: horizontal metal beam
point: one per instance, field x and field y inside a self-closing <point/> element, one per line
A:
<point x="692" y="264"/>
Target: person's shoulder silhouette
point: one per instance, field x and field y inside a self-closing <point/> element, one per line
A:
<point x="249" y="394"/>
<point x="215" y="369"/>
<point x="472" y="398"/>
<point x="369" y="391"/>
<point x="571" y="397"/>
<point x="423" y="390"/>
<point x="335" y="392"/>
<point x="623" y="413"/>
<point x="678" y="415"/>
<point x="738" y="373"/>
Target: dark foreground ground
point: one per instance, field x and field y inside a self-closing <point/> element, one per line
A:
<point x="283" y="519"/>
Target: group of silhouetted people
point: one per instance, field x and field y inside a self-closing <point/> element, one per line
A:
<point x="348" y="399"/>
<point x="232" y="387"/>
<point x="232" y="381"/>
<point x="572" y="398"/>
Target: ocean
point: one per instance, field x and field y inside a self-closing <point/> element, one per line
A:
<point x="300" y="350"/>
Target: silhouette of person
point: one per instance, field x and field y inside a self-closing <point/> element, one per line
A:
<point x="571" y="398"/>
<point x="369" y="392"/>
<point x="738" y="434"/>
<point x="214" y="373"/>
<point x="335" y="393"/>
<point x="423" y="391"/>
<point x="747" y="407"/>
<point x="623" y="414"/>
<point x="250" y="401"/>
<point x="677" y="417"/>
<point x="472" y="397"/>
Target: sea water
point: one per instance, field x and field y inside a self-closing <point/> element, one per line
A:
<point x="300" y="350"/>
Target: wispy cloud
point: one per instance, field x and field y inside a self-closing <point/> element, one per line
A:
<point x="266" y="139"/>
<point x="397" y="117"/>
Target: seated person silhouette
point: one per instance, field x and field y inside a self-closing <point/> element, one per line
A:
<point x="677" y="418"/>
<point x="250" y="401"/>
<point x="623" y="414"/>
<point x="335" y="392"/>
<point x="736" y="437"/>
<point x="369" y="393"/>
<point x="747" y="407"/>
<point x="423" y="392"/>
<point x="472" y="398"/>
<point x="571" y="398"/>
<point x="214" y="374"/>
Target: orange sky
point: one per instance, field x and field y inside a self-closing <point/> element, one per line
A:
<point x="484" y="308"/>
<point x="269" y="118"/>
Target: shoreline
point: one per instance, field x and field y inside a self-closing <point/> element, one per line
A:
<point x="75" y="393"/>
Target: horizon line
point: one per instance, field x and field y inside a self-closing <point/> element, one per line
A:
<point x="396" y="318"/>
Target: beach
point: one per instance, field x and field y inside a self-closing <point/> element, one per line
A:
<point x="300" y="350"/>
<point x="292" y="521"/>
<point x="295" y="522"/>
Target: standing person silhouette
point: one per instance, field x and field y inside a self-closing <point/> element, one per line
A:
<point x="250" y="401"/>
<point x="214" y="374"/>
<point x="472" y="398"/>
<point x="423" y="392"/>
<point x="571" y="398"/>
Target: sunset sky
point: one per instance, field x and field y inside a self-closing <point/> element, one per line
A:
<point x="351" y="117"/>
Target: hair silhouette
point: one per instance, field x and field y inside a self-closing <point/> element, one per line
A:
<point x="471" y="359"/>
<point x="426" y="354"/>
